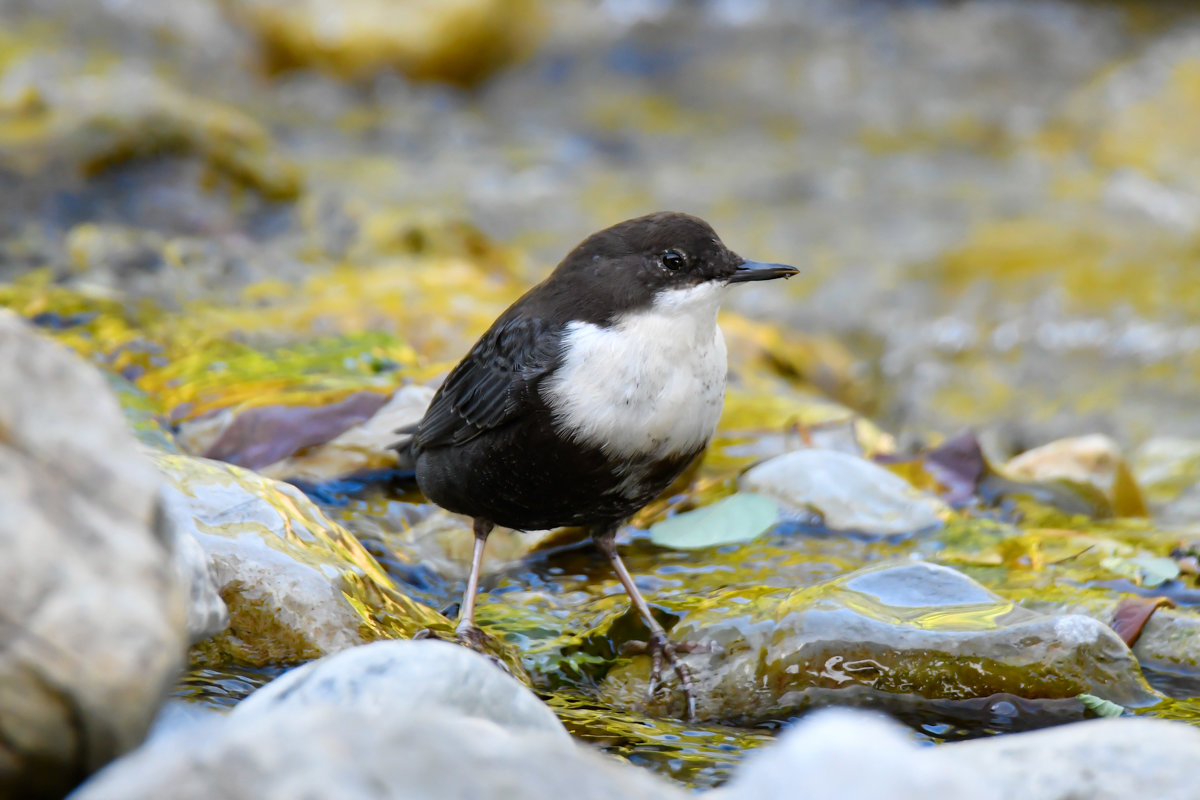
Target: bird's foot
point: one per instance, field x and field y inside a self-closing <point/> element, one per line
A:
<point x="427" y="633"/>
<point x="471" y="638"/>
<point x="663" y="651"/>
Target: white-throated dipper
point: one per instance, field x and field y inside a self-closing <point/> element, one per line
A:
<point x="589" y="396"/>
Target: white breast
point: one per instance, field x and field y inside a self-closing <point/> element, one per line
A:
<point x="649" y="386"/>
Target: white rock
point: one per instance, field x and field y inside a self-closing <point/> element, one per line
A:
<point x="92" y="613"/>
<point x="1105" y="759"/>
<point x="207" y="613"/>
<point x="838" y="754"/>
<point x="850" y="493"/>
<point x="321" y="750"/>
<point x="299" y="583"/>
<point x="394" y="679"/>
<point x="853" y="755"/>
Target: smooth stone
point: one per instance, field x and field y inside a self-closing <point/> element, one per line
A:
<point x="298" y="586"/>
<point x="1170" y="641"/>
<point x="821" y="758"/>
<point x="207" y="613"/>
<point x="94" y="615"/>
<point x="324" y="750"/>
<point x="1103" y="759"/>
<point x="1095" y="459"/>
<point x="395" y="679"/>
<point x="850" y="493"/>
<point x="896" y="636"/>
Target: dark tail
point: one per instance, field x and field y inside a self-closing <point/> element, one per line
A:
<point x="406" y="447"/>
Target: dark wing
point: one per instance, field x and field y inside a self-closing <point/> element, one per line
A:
<point x="493" y="384"/>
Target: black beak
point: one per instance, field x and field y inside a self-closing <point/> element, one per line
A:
<point x="759" y="271"/>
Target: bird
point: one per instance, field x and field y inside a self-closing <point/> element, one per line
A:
<point x="587" y="398"/>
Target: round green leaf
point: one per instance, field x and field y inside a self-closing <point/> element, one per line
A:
<point x="738" y="518"/>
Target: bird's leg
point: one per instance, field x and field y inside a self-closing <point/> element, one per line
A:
<point x="659" y="645"/>
<point x="466" y="631"/>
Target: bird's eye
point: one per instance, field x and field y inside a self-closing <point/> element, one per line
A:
<point x="673" y="260"/>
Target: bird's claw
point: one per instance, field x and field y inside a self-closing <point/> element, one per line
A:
<point x="661" y="649"/>
<point x="469" y="637"/>
<point x="472" y="638"/>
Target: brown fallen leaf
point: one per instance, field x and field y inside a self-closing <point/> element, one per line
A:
<point x="959" y="465"/>
<point x="1132" y="614"/>
<point x="263" y="435"/>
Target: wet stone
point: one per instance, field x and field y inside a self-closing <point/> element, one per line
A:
<point x="848" y="492"/>
<point x="898" y="637"/>
<point x="1094" y="460"/>
<point x="298" y="586"/>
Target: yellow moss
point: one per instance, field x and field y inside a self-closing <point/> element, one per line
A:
<point x="1156" y="134"/>
<point x="459" y="41"/>
<point x="961" y="131"/>
<point x="1099" y="268"/>
<point x="97" y="122"/>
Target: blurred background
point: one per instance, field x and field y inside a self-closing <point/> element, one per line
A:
<point x="995" y="205"/>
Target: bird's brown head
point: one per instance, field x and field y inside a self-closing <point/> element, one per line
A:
<point x="627" y="266"/>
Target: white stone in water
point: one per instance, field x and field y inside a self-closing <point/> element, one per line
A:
<point x="207" y="613"/>
<point x="850" y="493"/>
<point x="396" y="678"/>
<point x="821" y="758"/>
<point x="396" y="720"/>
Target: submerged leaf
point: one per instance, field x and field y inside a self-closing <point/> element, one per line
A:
<point x="1099" y="706"/>
<point x="1148" y="571"/>
<point x="264" y="435"/>
<point x="1133" y="613"/>
<point x="959" y="465"/>
<point x="738" y="518"/>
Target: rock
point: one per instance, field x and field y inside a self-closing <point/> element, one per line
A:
<point x="821" y="758"/>
<point x="850" y="493"/>
<point x="459" y="41"/>
<point x="95" y="121"/>
<point x="298" y="748"/>
<point x="1170" y="641"/>
<point x="397" y="679"/>
<point x="1095" y="460"/>
<point x="363" y="446"/>
<point x="901" y="637"/>
<point x="1168" y="470"/>
<point x="1110" y="759"/>
<point x="93" y="613"/>
<point x="298" y="586"/>
<point x="207" y="614"/>
<point x="1105" y="759"/>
